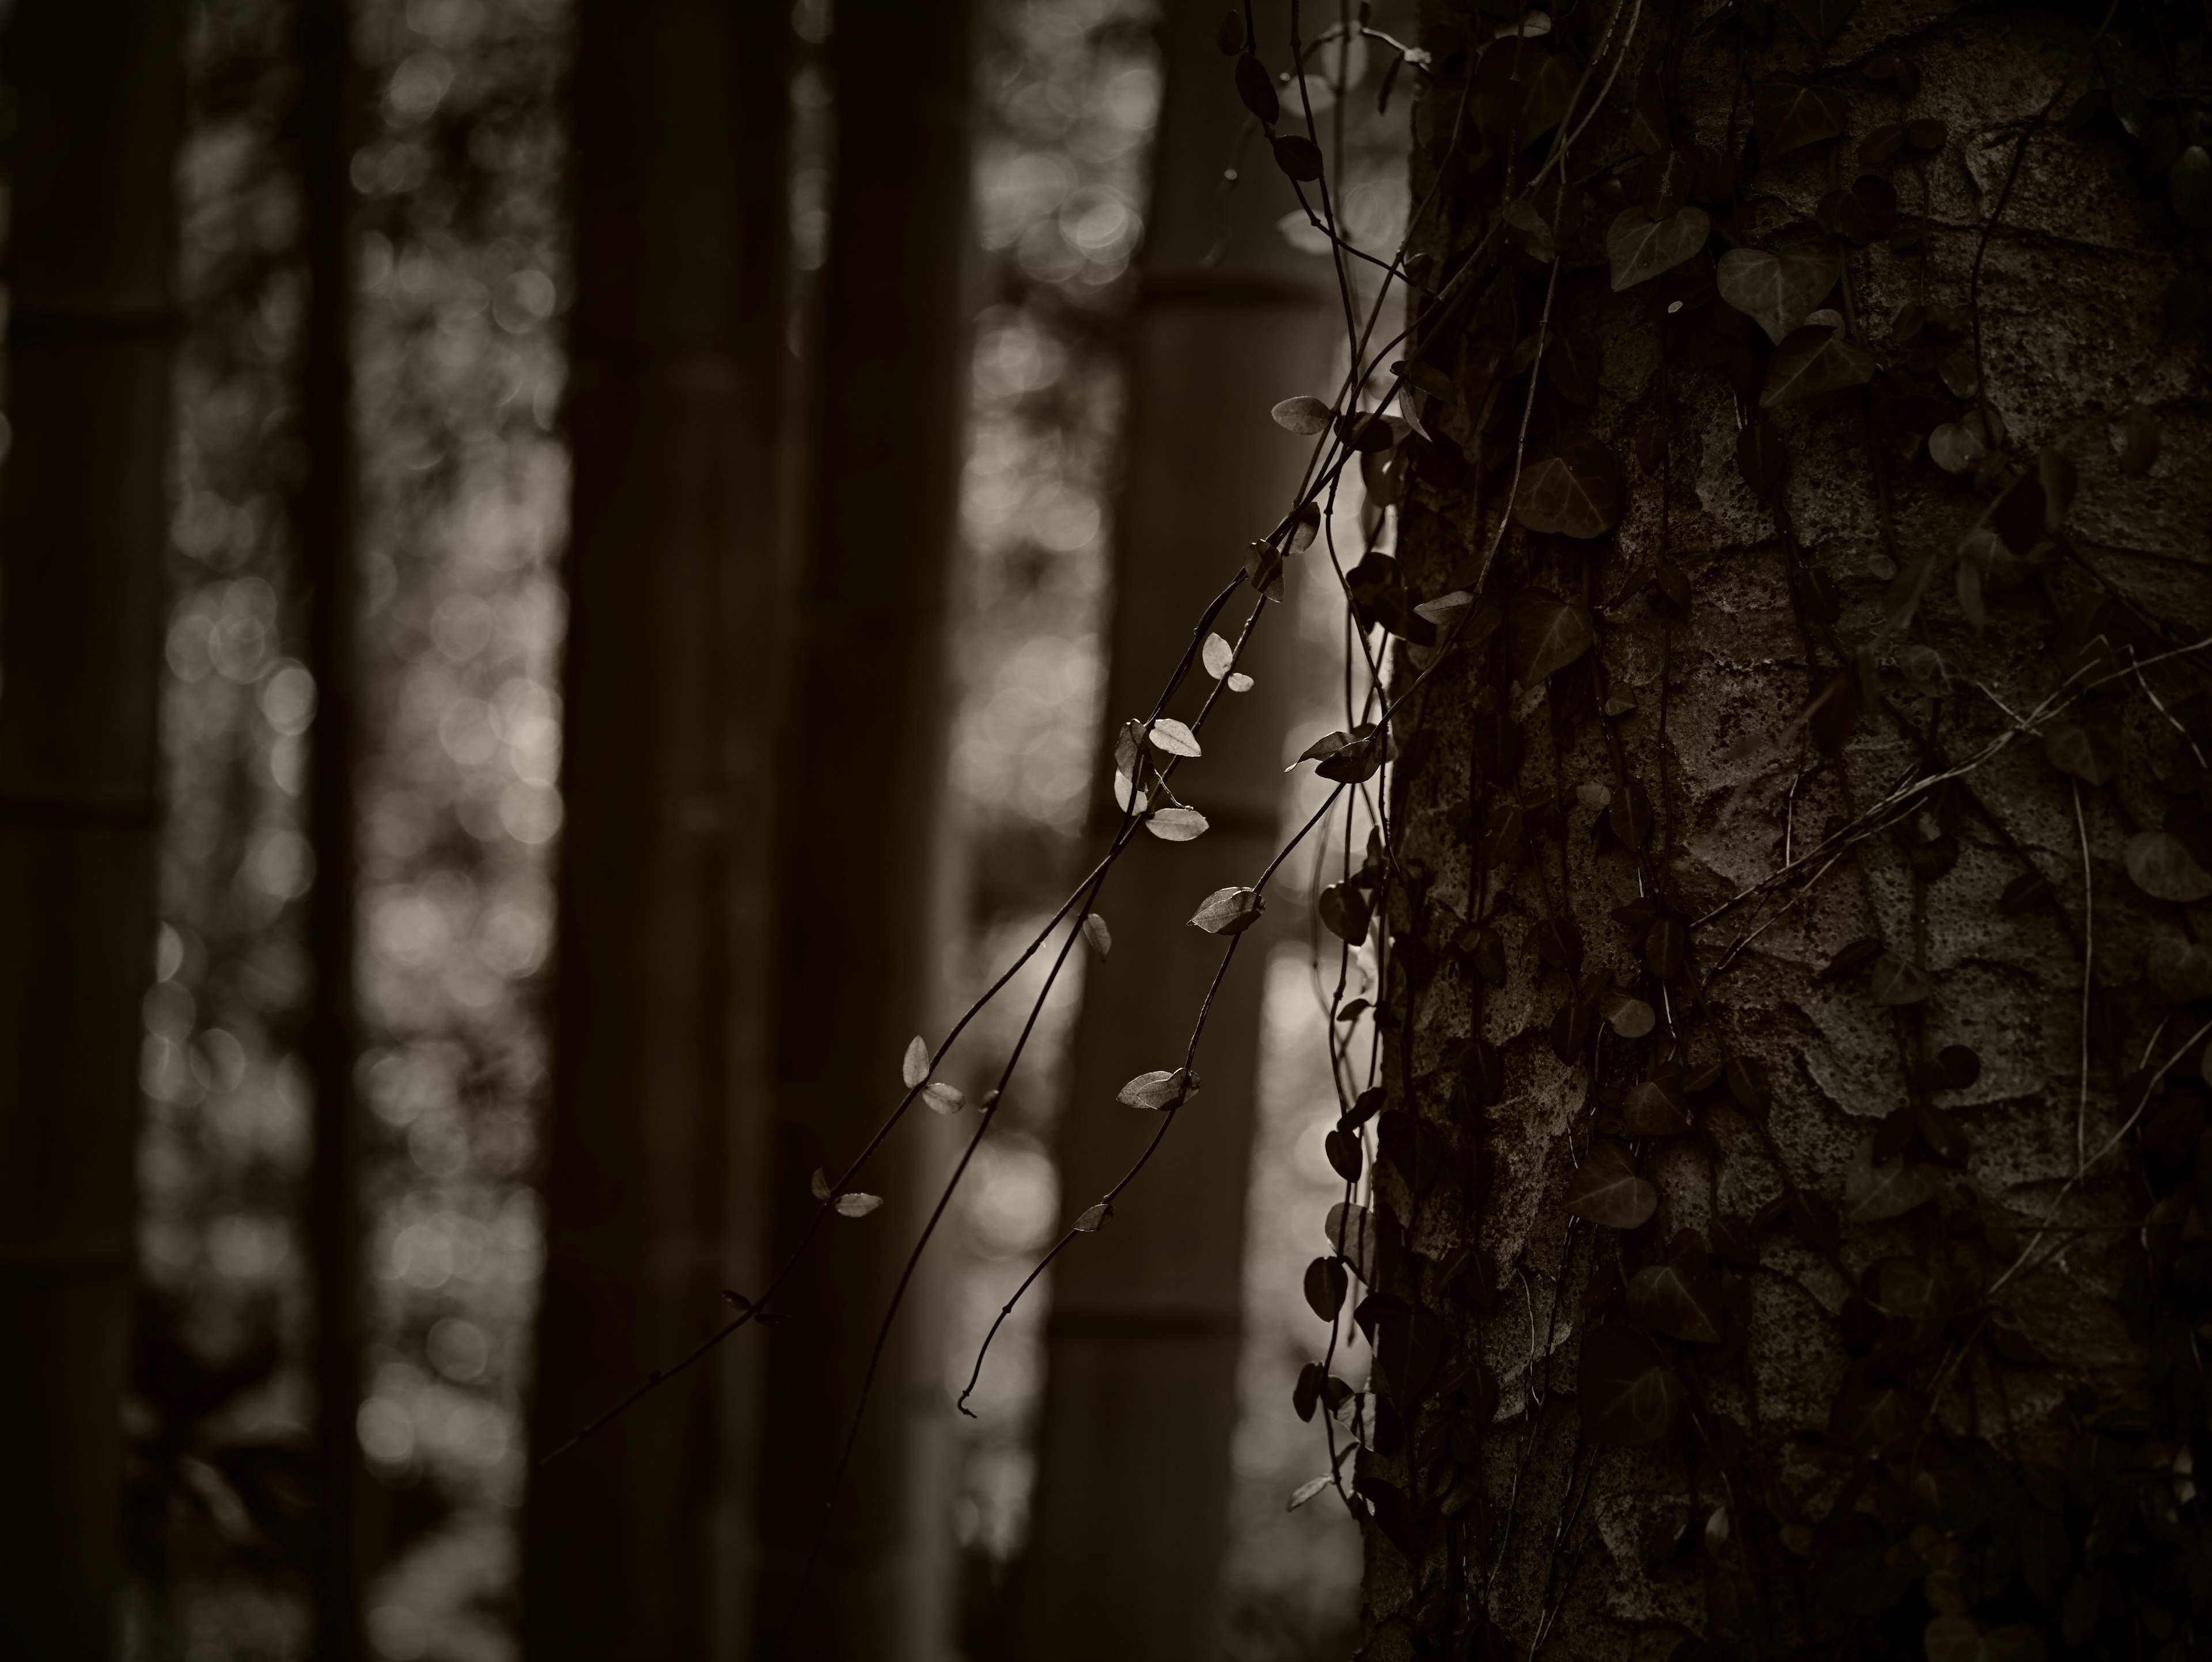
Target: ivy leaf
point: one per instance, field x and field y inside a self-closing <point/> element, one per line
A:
<point x="2180" y="971"/>
<point x="819" y="1184"/>
<point x="1543" y="635"/>
<point x="1360" y="760"/>
<point x="1862" y="212"/>
<point x="1093" y="1218"/>
<point x="1956" y="447"/>
<point x="1852" y="958"/>
<point x="1900" y="981"/>
<point x="1218" y="655"/>
<point x="1162" y="1088"/>
<point x="857" y="1205"/>
<point x="1174" y="738"/>
<point x="1656" y="1108"/>
<point x="2164" y="868"/>
<point x="1627" y="1393"/>
<point x="1640" y="248"/>
<point x="1299" y="156"/>
<point x="1327" y="746"/>
<point x="1394" y="1514"/>
<point x="1605" y="1189"/>
<point x="1257" y="89"/>
<point x="1821" y="19"/>
<point x="1095" y="932"/>
<point x="1306" y="1491"/>
<point x="1791" y="113"/>
<point x="1327" y="1281"/>
<point x="1631" y="814"/>
<point x="1813" y="364"/>
<point x="2089" y="754"/>
<point x="1630" y="1017"/>
<point x="1761" y="457"/>
<point x="1353" y="1236"/>
<point x="1667" y="948"/>
<point x="1876" y="1190"/>
<point x="944" y="1098"/>
<point x="1777" y="292"/>
<point x="1345" y="1156"/>
<point x="1574" y="492"/>
<point x="1680" y="1298"/>
<point x="1176" y="824"/>
<point x="913" y="1066"/>
<point x="1872" y="1419"/>
<point x="1304" y="415"/>
<point x="1409" y="1346"/>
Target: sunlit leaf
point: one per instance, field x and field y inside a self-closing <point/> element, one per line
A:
<point x="1304" y="415"/>
<point x="1176" y="824"/>
<point x="2164" y="868"/>
<point x="1218" y="655"/>
<point x="1605" y="1189"/>
<point x="1640" y="248"/>
<point x="1162" y="1088"/>
<point x="1171" y="736"/>
<point x="944" y="1098"/>
<point x="1627" y="1392"/>
<point x="1327" y="744"/>
<point x="913" y="1066"/>
<point x="1237" y="681"/>
<point x="1777" y="292"/>
<point x="1229" y="911"/>
<point x="857" y="1205"/>
<point x="1306" y="1491"/>
<point x="1095" y="932"/>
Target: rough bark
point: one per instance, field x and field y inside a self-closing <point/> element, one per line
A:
<point x="323" y="520"/>
<point x="857" y="871"/>
<point x="1130" y="1520"/>
<point x="638" y="1543"/>
<point x="90" y="326"/>
<point x="1868" y="1459"/>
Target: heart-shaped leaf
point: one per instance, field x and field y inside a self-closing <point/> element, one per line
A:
<point x="1176" y="824"/>
<point x="1327" y="1281"/>
<point x="1409" y="1346"/>
<point x="1900" y="981"/>
<point x="1656" y="1108"/>
<point x="2089" y="753"/>
<point x="1821" y="19"/>
<point x="1627" y="1393"/>
<point x="2164" y="868"/>
<point x="1874" y="1190"/>
<point x="1680" y="1298"/>
<point x="1629" y="1016"/>
<point x="1573" y="492"/>
<point x="1229" y="911"/>
<point x="1811" y="364"/>
<point x="1777" y="292"/>
<point x="1791" y="114"/>
<point x="1353" y="1236"/>
<point x="1605" y="1189"/>
<point x="1304" y="415"/>
<point x="1640" y="248"/>
<point x="1543" y="635"/>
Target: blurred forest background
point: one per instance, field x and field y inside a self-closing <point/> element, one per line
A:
<point x="457" y="212"/>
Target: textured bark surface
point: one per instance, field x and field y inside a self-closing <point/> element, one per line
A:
<point x="1532" y="1529"/>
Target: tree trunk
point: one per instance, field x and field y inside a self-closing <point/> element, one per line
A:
<point x="323" y="519"/>
<point x="1736" y="1044"/>
<point x="857" y="865"/>
<point x="1130" y="1520"/>
<point x="637" y="1541"/>
<point x="90" y="334"/>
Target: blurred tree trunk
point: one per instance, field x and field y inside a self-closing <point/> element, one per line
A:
<point x="1131" y="1519"/>
<point x="637" y="1543"/>
<point x="323" y="529"/>
<point x="857" y="868"/>
<point x="97" y="96"/>
<point x="1654" y="1379"/>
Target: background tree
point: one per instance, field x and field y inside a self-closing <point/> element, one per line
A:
<point x="857" y="873"/>
<point x="324" y="509"/>
<point x="1130" y="1516"/>
<point x="635" y="1541"/>
<point x="1778" y="1219"/>
<point x="91" y="248"/>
